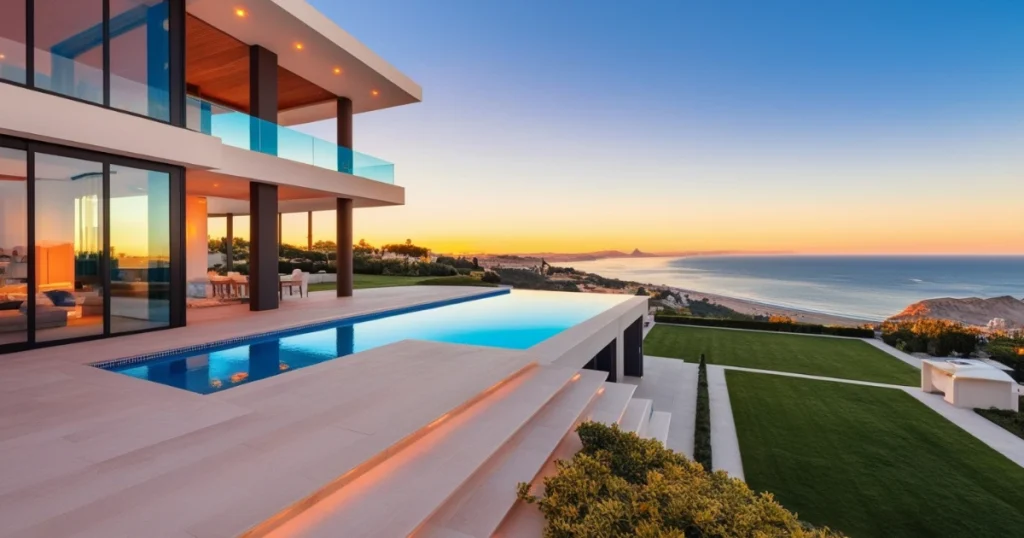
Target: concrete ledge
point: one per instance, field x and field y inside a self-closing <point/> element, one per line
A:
<point x="725" y="443"/>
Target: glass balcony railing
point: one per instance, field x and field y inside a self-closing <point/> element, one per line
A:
<point x="244" y="131"/>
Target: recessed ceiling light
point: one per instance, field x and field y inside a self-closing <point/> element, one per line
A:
<point x="216" y="184"/>
<point x="2" y="56"/>
<point x="337" y="70"/>
<point x="298" y="46"/>
<point x="241" y="13"/>
<point x="375" y="93"/>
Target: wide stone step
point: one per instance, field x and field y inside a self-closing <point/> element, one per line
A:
<point x="613" y="402"/>
<point x="636" y="416"/>
<point x="609" y="407"/>
<point x="658" y="426"/>
<point x="479" y="506"/>
<point x="399" y="494"/>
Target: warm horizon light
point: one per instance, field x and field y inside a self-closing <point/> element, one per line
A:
<point x="861" y="128"/>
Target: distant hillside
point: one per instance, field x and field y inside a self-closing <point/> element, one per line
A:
<point x="972" y="310"/>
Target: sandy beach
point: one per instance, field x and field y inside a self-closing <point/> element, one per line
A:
<point x="752" y="308"/>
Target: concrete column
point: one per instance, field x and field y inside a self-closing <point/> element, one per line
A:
<point x="229" y="262"/>
<point x="263" y="279"/>
<point x="344" y="247"/>
<point x="263" y="100"/>
<point x="196" y="246"/>
<point x="309" y="231"/>
<point x="633" y="349"/>
<point x="345" y="160"/>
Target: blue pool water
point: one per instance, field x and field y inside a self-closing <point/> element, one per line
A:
<point x="515" y="320"/>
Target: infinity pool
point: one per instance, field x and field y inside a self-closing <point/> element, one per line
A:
<point x="515" y="320"/>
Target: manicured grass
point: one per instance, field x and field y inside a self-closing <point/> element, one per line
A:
<point x="871" y="462"/>
<point x="460" y="280"/>
<point x="812" y="355"/>
<point x="373" y="281"/>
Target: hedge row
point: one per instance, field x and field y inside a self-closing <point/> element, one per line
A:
<point x="803" y="328"/>
<point x="702" y="431"/>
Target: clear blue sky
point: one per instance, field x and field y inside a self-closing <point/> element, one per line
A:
<point x="818" y="126"/>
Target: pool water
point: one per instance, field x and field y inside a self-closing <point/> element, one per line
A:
<point x="515" y="320"/>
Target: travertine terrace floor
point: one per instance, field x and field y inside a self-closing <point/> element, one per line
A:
<point x="87" y="452"/>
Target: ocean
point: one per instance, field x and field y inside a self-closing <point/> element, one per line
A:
<point x="866" y="287"/>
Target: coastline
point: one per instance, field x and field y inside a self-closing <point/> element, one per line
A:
<point x="753" y="308"/>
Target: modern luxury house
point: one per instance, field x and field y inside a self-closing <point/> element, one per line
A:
<point x="126" y="124"/>
<point x="125" y="127"/>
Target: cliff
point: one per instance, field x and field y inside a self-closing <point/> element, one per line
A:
<point x="971" y="311"/>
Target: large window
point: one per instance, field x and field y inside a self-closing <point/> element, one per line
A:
<point x="140" y="47"/>
<point x="140" y="249"/>
<point x="12" y="41"/>
<point x="14" y="253"/>
<point x="69" y="48"/>
<point x="115" y="53"/>
<point x="70" y="252"/>
<point x="88" y="245"/>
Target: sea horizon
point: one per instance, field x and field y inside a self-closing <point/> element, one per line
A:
<point x="870" y="287"/>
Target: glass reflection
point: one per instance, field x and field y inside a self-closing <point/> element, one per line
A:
<point x="140" y="249"/>
<point x="14" y="255"/>
<point x="69" y="248"/>
<point x="13" y="46"/>
<point x="69" y="48"/>
<point x="139" y="57"/>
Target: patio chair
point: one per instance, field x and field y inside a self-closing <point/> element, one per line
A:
<point x="298" y="279"/>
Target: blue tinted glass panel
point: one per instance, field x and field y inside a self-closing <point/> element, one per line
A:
<point x="69" y="48"/>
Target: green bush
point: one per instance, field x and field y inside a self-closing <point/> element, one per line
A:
<point x="802" y="328"/>
<point x="491" y="277"/>
<point x="936" y="337"/>
<point x="459" y="280"/>
<point x="619" y="485"/>
<point x="702" y="429"/>
<point x="1011" y="421"/>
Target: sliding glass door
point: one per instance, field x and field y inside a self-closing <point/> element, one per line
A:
<point x="89" y="245"/>
<point x="69" y="294"/>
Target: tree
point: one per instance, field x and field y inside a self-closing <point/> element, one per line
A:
<point x="476" y="263"/>
<point x="362" y="247"/>
<point x="642" y="291"/>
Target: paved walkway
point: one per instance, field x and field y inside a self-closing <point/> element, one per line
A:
<point x="905" y="357"/>
<point x="725" y="444"/>
<point x="672" y="385"/>
<point x="815" y="377"/>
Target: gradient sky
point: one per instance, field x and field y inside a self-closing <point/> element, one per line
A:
<point x="576" y="125"/>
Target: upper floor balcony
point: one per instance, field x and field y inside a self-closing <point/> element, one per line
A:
<point x="241" y="130"/>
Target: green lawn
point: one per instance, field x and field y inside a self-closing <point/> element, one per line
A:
<point x="813" y="355"/>
<point x="373" y="281"/>
<point x="381" y="281"/>
<point x="871" y="462"/>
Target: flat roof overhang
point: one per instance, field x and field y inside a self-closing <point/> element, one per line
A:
<point x="280" y="25"/>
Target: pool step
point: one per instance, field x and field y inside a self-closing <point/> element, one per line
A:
<point x="657" y="428"/>
<point x="609" y="408"/>
<point x="479" y="506"/>
<point x="637" y="415"/>
<point x="401" y="492"/>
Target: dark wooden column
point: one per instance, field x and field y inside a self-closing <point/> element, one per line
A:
<point x="344" y="247"/>
<point x="263" y="279"/>
<point x="263" y="100"/>
<point x="229" y="255"/>
<point x="345" y="135"/>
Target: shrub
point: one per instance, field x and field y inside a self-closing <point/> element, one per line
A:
<point x="936" y="337"/>
<point x="619" y="485"/>
<point x="702" y="429"/>
<point x="1011" y="421"/>
<point x="459" y="280"/>
<point x="491" y="277"/>
<point x="802" y="328"/>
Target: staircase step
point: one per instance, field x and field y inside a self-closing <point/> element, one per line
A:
<point x="636" y="416"/>
<point x="404" y="490"/>
<point x="479" y="506"/>
<point x="657" y="428"/>
<point x="525" y="519"/>
<point x="613" y="402"/>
